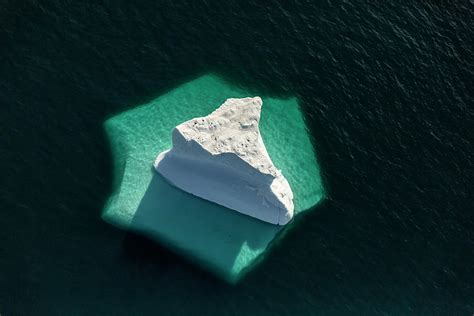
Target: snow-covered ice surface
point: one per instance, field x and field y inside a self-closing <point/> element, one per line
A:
<point x="222" y="158"/>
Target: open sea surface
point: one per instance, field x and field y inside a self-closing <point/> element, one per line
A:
<point x="386" y="89"/>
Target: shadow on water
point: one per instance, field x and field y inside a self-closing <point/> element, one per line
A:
<point x="198" y="228"/>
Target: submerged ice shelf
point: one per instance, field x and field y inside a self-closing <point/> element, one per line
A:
<point x="222" y="158"/>
<point x="222" y="241"/>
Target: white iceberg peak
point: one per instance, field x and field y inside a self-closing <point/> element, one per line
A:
<point x="221" y="157"/>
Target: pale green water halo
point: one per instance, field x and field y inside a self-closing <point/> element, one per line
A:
<point x="223" y="241"/>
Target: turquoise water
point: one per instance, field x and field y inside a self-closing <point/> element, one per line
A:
<point x="223" y="241"/>
<point x="384" y="89"/>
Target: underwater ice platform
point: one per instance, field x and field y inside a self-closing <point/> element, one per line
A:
<point x="220" y="240"/>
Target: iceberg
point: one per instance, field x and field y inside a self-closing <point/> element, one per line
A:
<point x="226" y="243"/>
<point x="222" y="158"/>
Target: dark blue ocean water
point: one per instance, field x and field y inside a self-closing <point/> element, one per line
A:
<point x="386" y="89"/>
